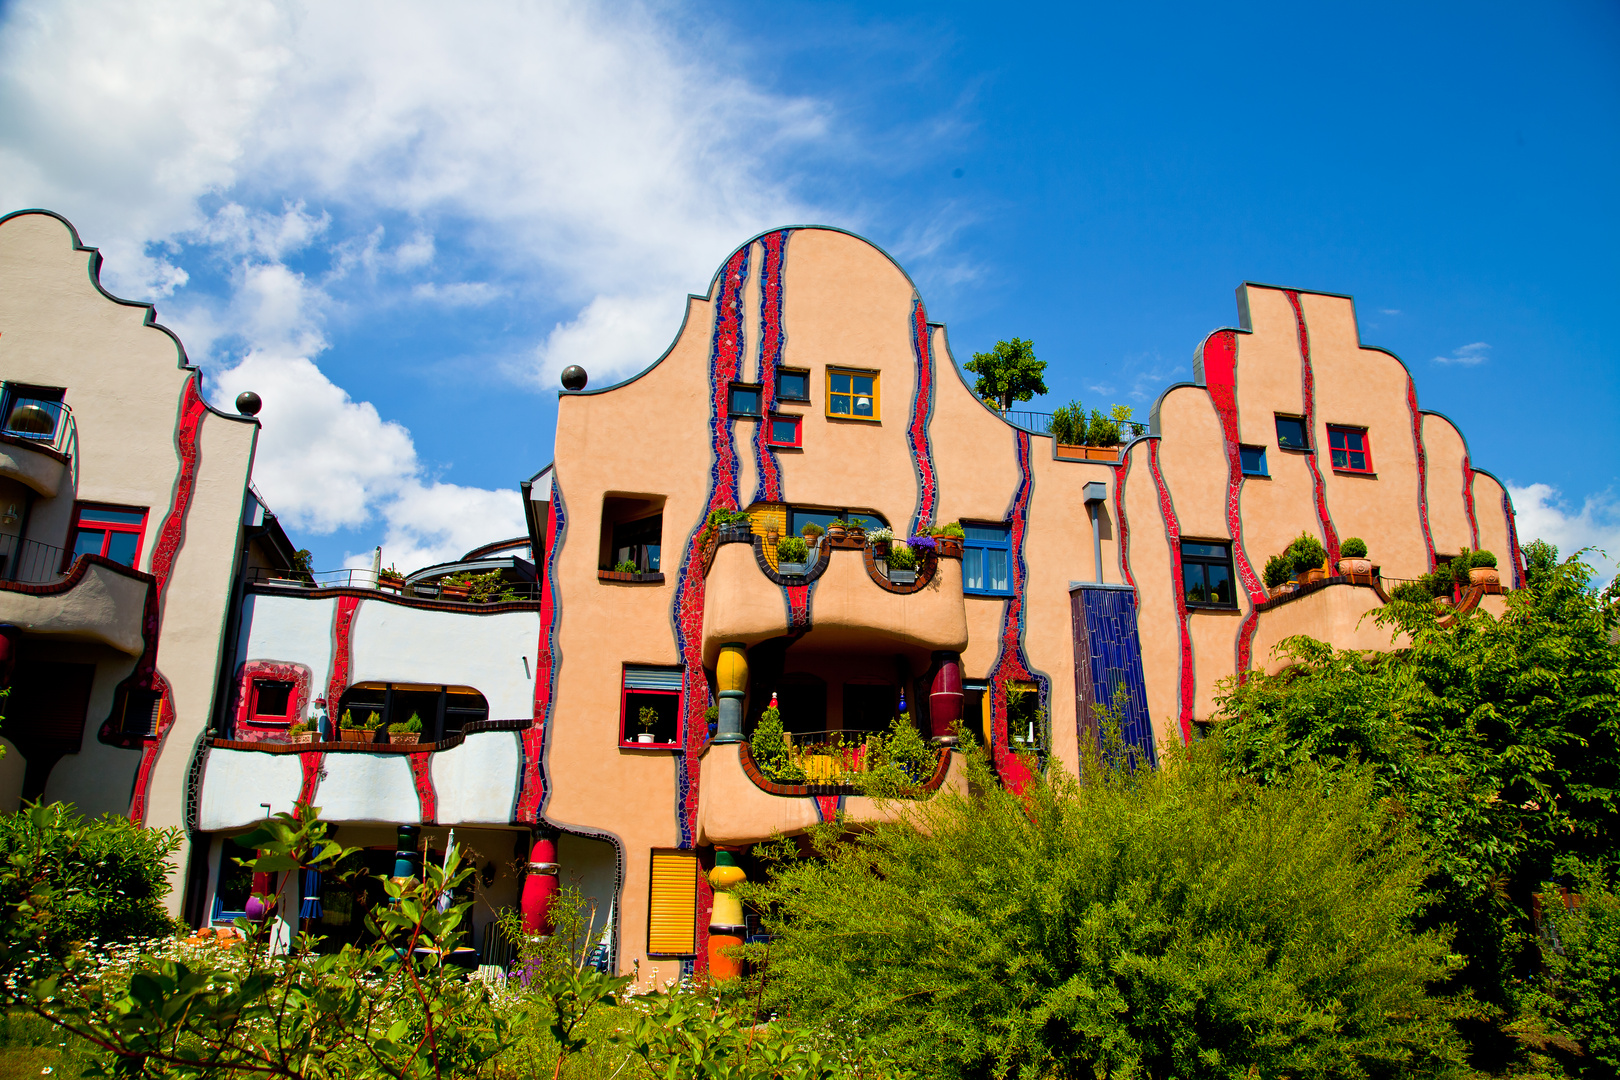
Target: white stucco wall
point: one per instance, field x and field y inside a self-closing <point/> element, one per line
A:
<point x="288" y="629"/>
<point x="236" y="782"/>
<point x="368" y="787"/>
<point x="477" y="781"/>
<point x="394" y="643"/>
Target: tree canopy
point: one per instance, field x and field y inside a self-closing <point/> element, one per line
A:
<point x="1008" y="373"/>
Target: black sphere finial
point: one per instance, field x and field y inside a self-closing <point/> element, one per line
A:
<point x="573" y="377"/>
<point x="248" y="403"/>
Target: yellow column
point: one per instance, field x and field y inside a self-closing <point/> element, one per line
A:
<point x="726" y="928"/>
<point x="731" y="673"/>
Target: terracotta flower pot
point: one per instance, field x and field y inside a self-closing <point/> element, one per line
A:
<point x="857" y="535"/>
<point x="1285" y="589"/>
<point x="836" y="532"/>
<point x="1348" y="567"/>
<point x="453" y="592"/>
<point x="401" y="738"/>
<point x="1484" y="575"/>
<point x="350" y="734"/>
<point x="1311" y="576"/>
<point x="304" y="737"/>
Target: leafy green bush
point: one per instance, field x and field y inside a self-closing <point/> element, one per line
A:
<point x="952" y="529"/>
<point x="647" y="719"/>
<point x="811" y="530"/>
<point x="1412" y="592"/>
<point x="792" y="549"/>
<point x="412" y="726"/>
<point x="897" y="761"/>
<point x="1142" y="923"/>
<point x="1068" y="424"/>
<point x="1353" y="548"/>
<point x="902" y="557"/>
<point x="65" y="878"/>
<point x="769" y="748"/>
<point x="1457" y="569"/>
<point x="624" y="566"/>
<point x="1305" y="552"/>
<point x="1484" y="558"/>
<point x="1278" y="570"/>
<point x="1583" y="958"/>
<point x="1102" y="431"/>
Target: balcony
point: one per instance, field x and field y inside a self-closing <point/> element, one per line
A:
<point x="851" y="607"/>
<point x="37" y="438"/>
<point x="97" y="600"/>
<point x="319" y="582"/>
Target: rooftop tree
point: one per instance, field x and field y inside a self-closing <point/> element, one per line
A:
<point x="1008" y="373"/>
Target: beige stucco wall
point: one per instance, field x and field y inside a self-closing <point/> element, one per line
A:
<point x="1341" y="615"/>
<point x="1448" y="513"/>
<point x="105" y="605"/>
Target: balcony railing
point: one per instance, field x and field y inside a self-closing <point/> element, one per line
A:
<point x="48" y="424"/>
<point x="1040" y="423"/>
<point x="365" y="579"/>
<point x="29" y="561"/>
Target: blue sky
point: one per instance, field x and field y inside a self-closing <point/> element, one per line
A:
<point x="397" y="222"/>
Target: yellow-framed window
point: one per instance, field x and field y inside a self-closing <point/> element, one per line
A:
<point x="853" y="394"/>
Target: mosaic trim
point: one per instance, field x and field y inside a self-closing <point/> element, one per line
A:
<point x="297" y="674"/>
<point x="532" y="786"/>
<point x="1012" y="663"/>
<point x="1172" y="533"/>
<point x="751" y="770"/>
<point x="771" y="340"/>
<point x="1220" y="381"/>
<point x="342" y="645"/>
<point x="427" y="799"/>
<point x="1330" y="536"/>
<point x="1468" y="502"/>
<point x="922" y="412"/>
<point x="1513" y="540"/>
<point x="1422" y="467"/>
<point x="313" y="764"/>
<point x="686" y="613"/>
<point x="450" y="742"/>
<point x="170" y="537"/>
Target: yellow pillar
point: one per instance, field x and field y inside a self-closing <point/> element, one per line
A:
<point x="726" y="927"/>
<point x="731" y="673"/>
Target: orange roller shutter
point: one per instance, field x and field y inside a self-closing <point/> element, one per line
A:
<point x="672" y="909"/>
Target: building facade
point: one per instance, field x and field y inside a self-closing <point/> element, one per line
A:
<point x="589" y="720"/>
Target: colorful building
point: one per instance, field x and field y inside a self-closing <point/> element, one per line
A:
<point x="587" y="718"/>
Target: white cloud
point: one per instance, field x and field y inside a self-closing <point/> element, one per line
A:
<point x="608" y="338"/>
<point x="457" y="293"/>
<point x="432" y="522"/>
<point x="1544" y="515"/>
<point x="1467" y="355"/>
<point x="1389" y="311"/>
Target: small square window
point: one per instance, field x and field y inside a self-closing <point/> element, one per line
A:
<point x="114" y="532"/>
<point x="852" y="395"/>
<point x="744" y="400"/>
<point x="1206" y="574"/>
<point x="31" y="412"/>
<point x="792" y="385"/>
<point x="271" y="699"/>
<point x="656" y="689"/>
<point x="1349" y="450"/>
<point x="1291" y="433"/>
<point x="784" y="431"/>
<point x="1254" y="460"/>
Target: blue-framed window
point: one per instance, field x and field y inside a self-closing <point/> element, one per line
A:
<point x="987" y="560"/>
<point x="1254" y="460"/>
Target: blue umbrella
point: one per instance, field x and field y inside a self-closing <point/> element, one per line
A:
<point x="312" y="895"/>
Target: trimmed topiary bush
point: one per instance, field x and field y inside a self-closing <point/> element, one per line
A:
<point x="1278" y="570"/>
<point x="1353" y="548"/>
<point x="792" y="549"/>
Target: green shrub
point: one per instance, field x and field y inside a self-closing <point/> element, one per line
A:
<point x="65" y="879"/>
<point x="413" y="726"/>
<point x="792" y="549"/>
<point x="811" y="530"/>
<point x="1305" y="552"/>
<point x="897" y="761"/>
<point x="1583" y="958"/>
<point x="647" y="719"/>
<point x="769" y="748"/>
<point x="372" y="722"/>
<point x="1068" y="424"/>
<point x="1142" y="923"/>
<point x="1353" y="548"/>
<point x="624" y="566"/>
<point x="1102" y="431"/>
<point x="1484" y="558"/>
<point x="1278" y="570"/>
<point x="1412" y="592"/>
<point x="902" y="557"/>
<point x="1457" y="569"/>
<point x="952" y="529"/>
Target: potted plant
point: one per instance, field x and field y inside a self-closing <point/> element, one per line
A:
<point x="856" y="530"/>
<point x="792" y="554"/>
<point x="300" y="732"/>
<point x="902" y="564"/>
<point x="837" y="529"/>
<point x="408" y="732"/>
<point x="350" y="729"/>
<point x="391" y="578"/>
<point x="878" y="539"/>
<point x="454" y="587"/>
<point x="1307" y="555"/>
<point x="949" y="537"/>
<point x="1278" y="574"/>
<point x="811" y="532"/>
<point x="373" y="724"/>
<point x="1068" y="428"/>
<point x="1482" y="569"/>
<point x="647" y="719"/>
<point x="1353" y="558"/>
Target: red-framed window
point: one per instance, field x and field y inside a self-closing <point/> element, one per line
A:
<point x="1349" y="449"/>
<point x="785" y="431"/>
<point x="655" y="688"/>
<point x="111" y="531"/>
<point x="273" y="701"/>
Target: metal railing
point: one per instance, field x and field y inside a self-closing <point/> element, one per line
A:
<point x="1040" y="423"/>
<point x="46" y="423"/>
<point x="828" y="757"/>
<point x="29" y="561"/>
<point x="366" y="579"/>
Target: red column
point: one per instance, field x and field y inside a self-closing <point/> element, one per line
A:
<point x="945" y="697"/>
<point x="540" y="885"/>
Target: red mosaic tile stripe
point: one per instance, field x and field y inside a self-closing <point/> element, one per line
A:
<point x="922" y="412"/>
<point x="532" y="777"/>
<point x="1172" y="532"/>
<point x="771" y="339"/>
<point x="1422" y="467"/>
<point x="422" y="774"/>
<point x="1330" y="536"/>
<point x="1468" y="502"/>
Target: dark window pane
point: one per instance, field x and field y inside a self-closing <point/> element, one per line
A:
<point x="121" y="517"/>
<point x="840" y="384"/>
<point x="1254" y="460"/>
<point x="121" y="547"/>
<point x="862" y="384"/>
<point x="88" y="542"/>
<point x="235" y="882"/>
<point x="1220" y="584"/>
<point x="654" y="555"/>
<point x="793" y="385"/>
<point x="1291" y="433"/>
<point x="1339" y="459"/>
<point x="785" y="431"/>
<point x="1192" y="579"/>
<point x="272" y="699"/>
<point x="1207" y="551"/>
<point x="867" y="707"/>
<point x="1336" y="438"/>
<point x="863" y="402"/>
<point x="1358" y="462"/>
<point x="840" y="404"/>
<point x="744" y="401"/>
